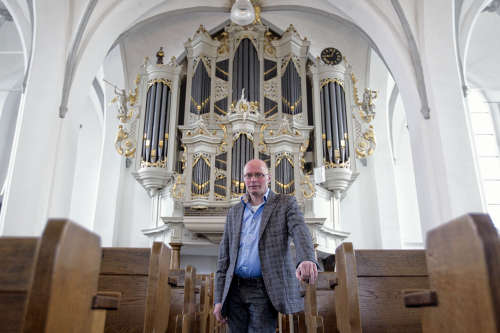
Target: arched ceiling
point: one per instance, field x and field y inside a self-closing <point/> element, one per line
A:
<point x="173" y="30"/>
<point x="11" y="53"/>
<point x="482" y="65"/>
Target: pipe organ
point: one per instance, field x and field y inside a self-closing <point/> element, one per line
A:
<point x="243" y="93"/>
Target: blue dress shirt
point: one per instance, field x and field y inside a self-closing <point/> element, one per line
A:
<point x="248" y="263"/>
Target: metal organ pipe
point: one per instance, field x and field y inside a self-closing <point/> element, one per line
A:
<point x="344" y="125"/>
<point x="333" y="110"/>
<point x="154" y="147"/>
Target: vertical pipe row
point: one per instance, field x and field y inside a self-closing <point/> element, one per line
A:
<point x="161" y="131"/>
<point x="344" y="125"/>
<point x="246" y="72"/>
<point x="146" y="116"/>
<point x="334" y="108"/>
<point x="334" y="123"/>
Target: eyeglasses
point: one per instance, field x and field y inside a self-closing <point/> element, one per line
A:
<point x="257" y="175"/>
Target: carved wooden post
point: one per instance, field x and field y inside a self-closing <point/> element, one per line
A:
<point x="175" y="263"/>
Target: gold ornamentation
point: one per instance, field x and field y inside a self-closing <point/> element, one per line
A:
<point x="164" y="81"/>
<point x="221" y="70"/>
<point x="183" y="159"/>
<point x="355" y="89"/>
<point x="123" y="145"/>
<point x="201" y="156"/>
<point x="257" y="9"/>
<point x="268" y="46"/>
<point x="224" y="43"/>
<point x="304" y="146"/>
<point x="223" y="143"/>
<point x="326" y="81"/>
<point x="312" y="190"/>
<point x="284" y="186"/>
<point x="201" y="186"/>
<point x="270" y="110"/>
<point x="367" y="144"/>
<point x="294" y="105"/>
<point x="219" y="109"/>
<point x="288" y="156"/>
<point x="132" y="96"/>
<point x="331" y="165"/>
<point x="157" y="164"/>
<point x="202" y="104"/>
<point x="271" y="69"/>
<point x="261" y="136"/>
<point x="367" y="106"/>
<point x="178" y="193"/>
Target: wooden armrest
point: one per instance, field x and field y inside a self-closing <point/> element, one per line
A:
<point x="106" y="300"/>
<point x="420" y="298"/>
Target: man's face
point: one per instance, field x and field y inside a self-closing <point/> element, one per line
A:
<point x="256" y="178"/>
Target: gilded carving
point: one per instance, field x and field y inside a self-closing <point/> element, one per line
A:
<point x="124" y="146"/>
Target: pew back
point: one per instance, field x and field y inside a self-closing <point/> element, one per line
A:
<point x="369" y="297"/>
<point x="48" y="285"/>
<point x="17" y="258"/>
<point x="141" y="275"/>
<point x="463" y="258"/>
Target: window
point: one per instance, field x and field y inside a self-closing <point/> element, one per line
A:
<point x="487" y="150"/>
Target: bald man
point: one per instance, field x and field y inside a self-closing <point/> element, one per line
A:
<point x="255" y="275"/>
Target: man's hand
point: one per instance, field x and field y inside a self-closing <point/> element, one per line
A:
<point x="307" y="271"/>
<point x="218" y="315"/>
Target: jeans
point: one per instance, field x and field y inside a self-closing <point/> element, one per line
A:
<point x="248" y="307"/>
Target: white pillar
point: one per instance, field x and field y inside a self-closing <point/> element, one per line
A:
<point x="382" y="159"/>
<point x="111" y="163"/>
<point x="34" y="151"/>
<point x="445" y="171"/>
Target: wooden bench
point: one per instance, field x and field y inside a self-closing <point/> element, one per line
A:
<point x="50" y="284"/>
<point x="186" y="321"/>
<point x="141" y="275"/>
<point x="463" y="261"/>
<point x="369" y="295"/>
<point x="319" y="308"/>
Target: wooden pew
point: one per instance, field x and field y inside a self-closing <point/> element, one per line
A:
<point x="325" y="299"/>
<point x="190" y="309"/>
<point x="50" y="284"/>
<point x="463" y="260"/>
<point x="319" y="308"/>
<point x="141" y="275"/>
<point x="205" y="305"/>
<point x="369" y="296"/>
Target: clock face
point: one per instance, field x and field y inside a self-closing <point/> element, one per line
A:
<point x="331" y="56"/>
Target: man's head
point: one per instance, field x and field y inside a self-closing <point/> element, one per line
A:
<point x="256" y="177"/>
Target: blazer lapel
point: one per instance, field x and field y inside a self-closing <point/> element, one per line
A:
<point x="237" y="227"/>
<point x="268" y="210"/>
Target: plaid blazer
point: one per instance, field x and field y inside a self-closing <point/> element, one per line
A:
<point x="282" y="220"/>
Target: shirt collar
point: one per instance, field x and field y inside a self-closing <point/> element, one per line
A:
<point x="246" y="198"/>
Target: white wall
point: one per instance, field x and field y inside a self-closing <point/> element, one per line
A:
<point x="88" y="151"/>
<point x="203" y="264"/>
<point x="359" y="210"/>
<point x="111" y="164"/>
<point x="388" y="205"/>
<point x="408" y="213"/>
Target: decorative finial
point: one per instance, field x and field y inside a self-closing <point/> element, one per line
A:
<point x="159" y="56"/>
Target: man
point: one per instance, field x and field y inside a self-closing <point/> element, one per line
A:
<point x="254" y="279"/>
